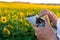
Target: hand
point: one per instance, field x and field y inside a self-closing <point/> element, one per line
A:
<point x="51" y="16"/>
<point x="45" y="33"/>
<point x="43" y="12"/>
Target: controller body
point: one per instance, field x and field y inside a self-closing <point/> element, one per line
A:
<point x="35" y="20"/>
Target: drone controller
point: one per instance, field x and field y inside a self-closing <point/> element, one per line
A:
<point x="39" y="22"/>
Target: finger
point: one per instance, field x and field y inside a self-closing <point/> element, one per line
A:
<point x="47" y="23"/>
<point x="43" y="12"/>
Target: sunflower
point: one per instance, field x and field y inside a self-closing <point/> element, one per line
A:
<point x="3" y="19"/>
<point x="9" y="26"/>
<point x="21" y="14"/>
<point x="15" y="17"/>
<point x="58" y="15"/>
<point x="6" y="11"/>
<point x="0" y="11"/>
<point x="28" y="13"/>
<point x="26" y="24"/>
<point x="21" y="20"/>
<point x="6" y="31"/>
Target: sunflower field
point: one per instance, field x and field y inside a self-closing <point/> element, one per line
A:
<point x="13" y="25"/>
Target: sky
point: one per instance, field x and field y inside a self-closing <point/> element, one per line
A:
<point x="34" y="1"/>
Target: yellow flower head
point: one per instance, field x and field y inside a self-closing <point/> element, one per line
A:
<point x="6" y="11"/>
<point x="6" y="31"/>
<point x="21" y="20"/>
<point x="0" y="11"/>
<point x="28" y="13"/>
<point x="26" y="24"/>
<point x="58" y="15"/>
<point x="21" y="14"/>
<point x="15" y="17"/>
<point x="9" y="26"/>
<point x="3" y="19"/>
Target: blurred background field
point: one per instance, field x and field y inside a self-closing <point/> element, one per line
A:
<point x="13" y="25"/>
